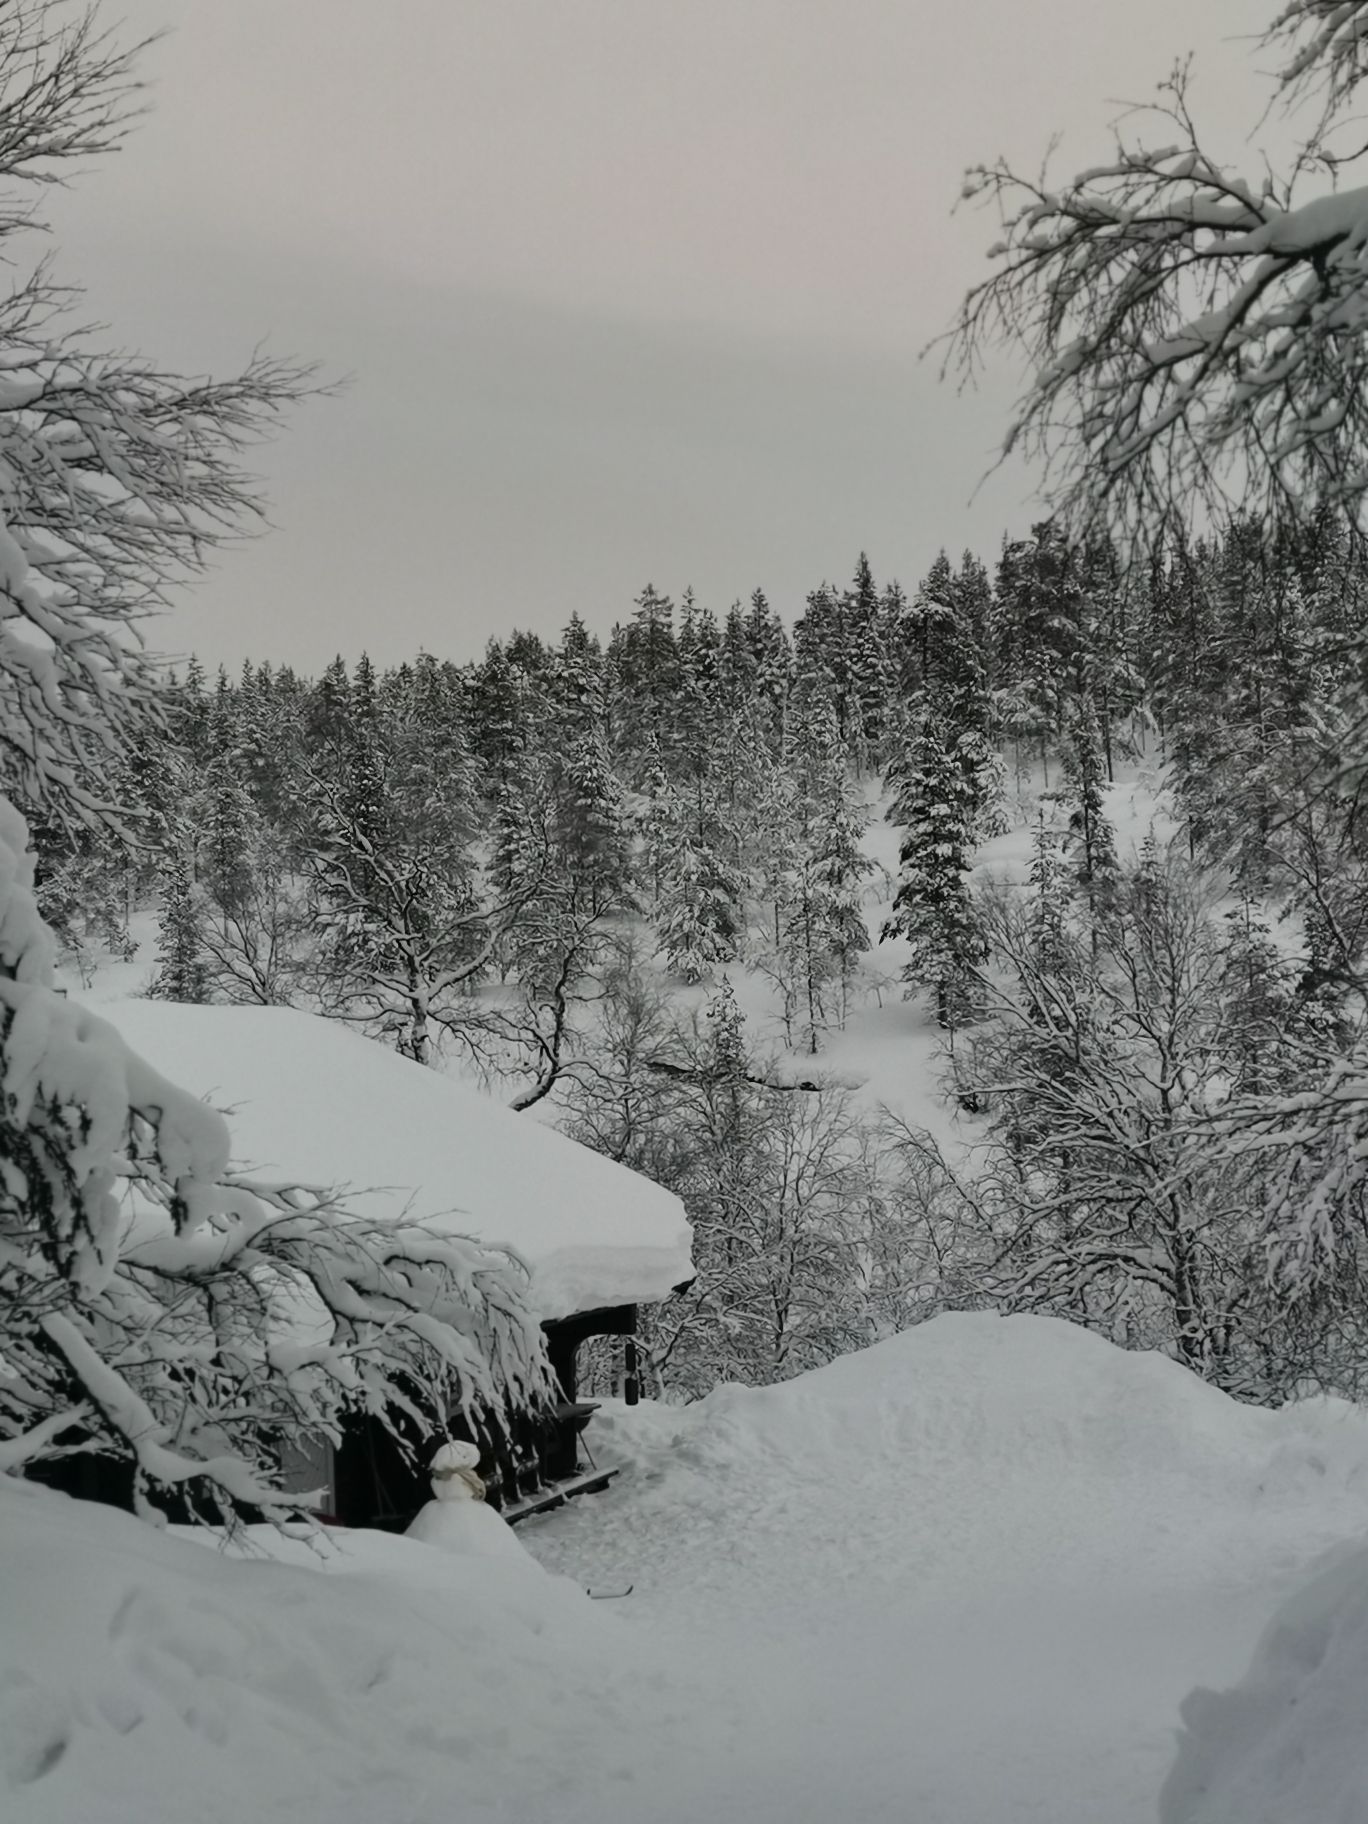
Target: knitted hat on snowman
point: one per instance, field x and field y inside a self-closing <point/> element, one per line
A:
<point x="453" y="1472"/>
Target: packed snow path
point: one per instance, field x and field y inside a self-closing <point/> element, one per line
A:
<point x="964" y="1577"/>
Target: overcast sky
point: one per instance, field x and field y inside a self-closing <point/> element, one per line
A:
<point x="628" y="290"/>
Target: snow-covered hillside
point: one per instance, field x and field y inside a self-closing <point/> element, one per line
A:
<point x="888" y="1049"/>
<point x="964" y="1577"/>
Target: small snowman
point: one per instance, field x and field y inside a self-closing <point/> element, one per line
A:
<point x="458" y="1519"/>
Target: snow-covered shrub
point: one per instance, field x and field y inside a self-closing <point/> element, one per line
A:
<point x="816" y="1229"/>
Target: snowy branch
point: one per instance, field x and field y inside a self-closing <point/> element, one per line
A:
<point x="1197" y="341"/>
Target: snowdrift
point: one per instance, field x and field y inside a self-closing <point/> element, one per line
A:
<point x="974" y="1451"/>
<point x="311" y="1102"/>
<point x="967" y="1574"/>
<point x="1289" y="1744"/>
<point x="145" y="1678"/>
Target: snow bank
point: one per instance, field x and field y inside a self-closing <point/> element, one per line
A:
<point x="972" y="1451"/>
<point x="315" y="1103"/>
<point x="1289" y="1744"/>
<point x="145" y="1679"/>
<point x="988" y="1559"/>
<point x="964" y="1577"/>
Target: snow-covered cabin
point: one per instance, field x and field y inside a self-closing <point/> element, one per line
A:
<point x="311" y="1101"/>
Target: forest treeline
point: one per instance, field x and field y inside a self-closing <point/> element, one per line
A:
<point x="519" y="861"/>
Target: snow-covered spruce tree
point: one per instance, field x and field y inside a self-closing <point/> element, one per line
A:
<point x="690" y="850"/>
<point x="84" y="893"/>
<point x="1038" y="636"/>
<point x="1249" y="698"/>
<point x="147" y="1296"/>
<point x="643" y="668"/>
<point x="938" y="794"/>
<point x="589" y="828"/>
<point x="814" y="834"/>
<point x="1051" y="901"/>
<point x="940" y="641"/>
<point x="768" y="642"/>
<point x="699" y="918"/>
<point x="656" y="816"/>
<point x="1090" y="838"/>
<point x="1257" y="692"/>
<point x="181" y="971"/>
<point x="843" y="656"/>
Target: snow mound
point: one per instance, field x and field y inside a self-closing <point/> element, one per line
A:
<point x="969" y="1450"/>
<point x="966" y="1576"/>
<point x="312" y="1102"/>
<point x="1289" y="1744"/>
<point x="348" y="1681"/>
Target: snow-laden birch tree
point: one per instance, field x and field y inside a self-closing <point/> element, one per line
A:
<point x="1196" y="336"/>
<point x="152" y="1305"/>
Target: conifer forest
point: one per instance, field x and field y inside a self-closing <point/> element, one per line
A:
<point x="637" y="885"/>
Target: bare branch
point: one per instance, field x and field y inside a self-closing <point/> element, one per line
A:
<point x="1325" y="45"/>
<point x="1197" y="340"/>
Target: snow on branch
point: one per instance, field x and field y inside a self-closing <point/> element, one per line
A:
<point x="1325" y="46"/>
<point x="1315" y="1144"/>
<point x="115" y="476"/>
<point x="67" y="90"/>
<point x="1197" y="340"/>
<point x="114" y="479"/>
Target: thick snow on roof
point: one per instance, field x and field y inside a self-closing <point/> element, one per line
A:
<point x="312" y="1102"/>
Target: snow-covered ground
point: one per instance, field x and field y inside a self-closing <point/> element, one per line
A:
<point x="964" y="1577"/>
<point x="970" y="1576"/>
